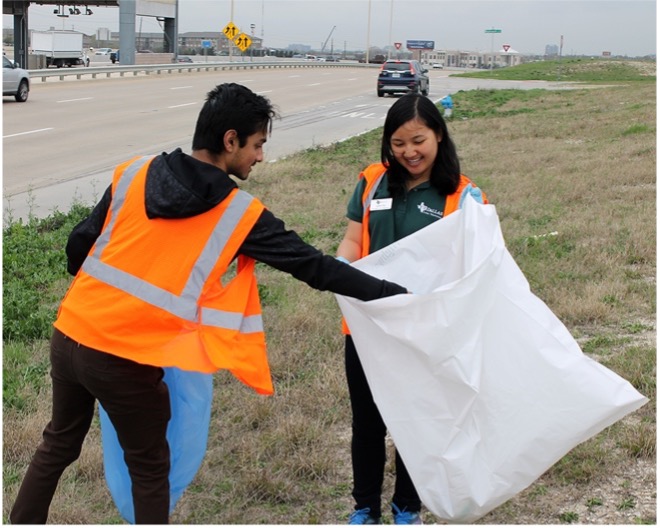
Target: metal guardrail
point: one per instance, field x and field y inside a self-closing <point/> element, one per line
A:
<point x="158" y="69"/>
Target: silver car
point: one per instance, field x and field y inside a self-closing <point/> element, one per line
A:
<point x="15" y="80"/>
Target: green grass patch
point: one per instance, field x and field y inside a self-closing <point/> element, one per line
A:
<point x="572" y="70"/>
<point x="473" y="104"/>
<point x="34" y="273"/>
<point x="636" y="129"/>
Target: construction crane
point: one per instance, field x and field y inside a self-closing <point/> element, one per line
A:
<point x="326" y="40"/>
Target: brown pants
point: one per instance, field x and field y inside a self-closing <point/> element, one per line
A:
<point x="137" y="402"/>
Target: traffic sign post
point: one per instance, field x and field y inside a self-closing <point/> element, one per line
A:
<point x="242" y="42"/>
<point x="235" y="35"/>
<point x="206" y="44"/>
<point x="492" y="32"/>
<point x="230" y="31"/>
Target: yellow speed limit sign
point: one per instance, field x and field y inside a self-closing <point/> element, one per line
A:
<point x="242" y="42"/>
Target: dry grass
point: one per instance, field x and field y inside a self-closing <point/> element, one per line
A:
<point x="582" y="164"/>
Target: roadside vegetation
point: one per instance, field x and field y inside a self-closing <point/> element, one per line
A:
<point x="573" y="176"/>
<point x="587" y="70"/>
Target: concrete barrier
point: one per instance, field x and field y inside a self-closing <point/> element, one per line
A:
<point x="153" y="58"/>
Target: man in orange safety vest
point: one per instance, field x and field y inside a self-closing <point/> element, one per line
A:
<point x="149" y="293"/>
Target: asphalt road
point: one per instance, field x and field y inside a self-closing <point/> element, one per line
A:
<point x="63" y="143"/>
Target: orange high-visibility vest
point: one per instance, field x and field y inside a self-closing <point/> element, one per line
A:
<point x="373" y="175"/>
<point x="153" y="291"/>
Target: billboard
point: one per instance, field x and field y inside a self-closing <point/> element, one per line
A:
<point x="156" y="8"/>
<point x="420" y="44"/>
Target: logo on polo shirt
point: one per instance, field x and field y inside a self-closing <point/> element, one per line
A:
<point x="425" y="209"/>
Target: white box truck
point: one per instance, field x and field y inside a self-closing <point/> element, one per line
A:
<point x="61" y="48"/>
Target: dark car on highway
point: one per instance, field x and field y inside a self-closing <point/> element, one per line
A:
<point x="402" y="76"/>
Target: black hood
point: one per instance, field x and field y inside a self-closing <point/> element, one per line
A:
<point x="179" y="186"/>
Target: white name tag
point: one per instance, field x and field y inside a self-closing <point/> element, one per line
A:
<point x="381" y="205"/>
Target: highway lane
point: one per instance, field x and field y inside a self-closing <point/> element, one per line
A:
<point x="64" y="142"/>
<point x="73" y="128"/>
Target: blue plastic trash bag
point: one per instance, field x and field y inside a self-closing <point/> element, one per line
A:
<point x="191" y="394"/>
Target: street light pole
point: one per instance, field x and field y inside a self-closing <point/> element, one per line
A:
<point x="389" y="43"/>
<point x="229" y="42"/>
<point x="252" y="26"/>
<point x="366" y="56"/>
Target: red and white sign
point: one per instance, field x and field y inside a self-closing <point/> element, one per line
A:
<point x="397" y="45"/>
<point x="506" y="47"/>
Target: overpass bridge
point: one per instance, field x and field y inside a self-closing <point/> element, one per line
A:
<point x="164" y="10"/>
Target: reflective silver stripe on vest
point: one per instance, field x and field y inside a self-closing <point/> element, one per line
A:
<point x="216" y="244"/>
<point x="118" y="199"/>
<point x="235" y="321"/>
<point x="372" y="192"/>
<point x="184" y="306"/>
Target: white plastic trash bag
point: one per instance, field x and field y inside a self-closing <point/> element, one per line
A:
<point x="191" y="395"/>
<point x="481" y="387"/>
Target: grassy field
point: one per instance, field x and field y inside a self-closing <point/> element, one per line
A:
<point x="573" y="70"/>
<point x="579" y="163"/>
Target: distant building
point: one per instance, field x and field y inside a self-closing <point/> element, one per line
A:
<point x="551" y="50"/>
<point x="472" y="59"/>
<point x="299" y="48"/>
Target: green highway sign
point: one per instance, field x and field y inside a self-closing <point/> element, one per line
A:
<point x="493" y="31"/>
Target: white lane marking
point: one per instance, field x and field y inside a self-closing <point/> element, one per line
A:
<point x="75" y="100"/>
<point x="184" y="104"/>
<point x="180" y="87"/>
<point x="314" y="84"/>
<point x="29" y="132"/>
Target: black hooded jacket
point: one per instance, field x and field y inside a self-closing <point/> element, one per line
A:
<point x="179" y="186"/>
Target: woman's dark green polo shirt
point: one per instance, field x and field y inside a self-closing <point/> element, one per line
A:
<point x="418" y="208"/>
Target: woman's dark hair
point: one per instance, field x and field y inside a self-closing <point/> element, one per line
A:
<point x="231" y="106"/>
<point x="446" y="170"/>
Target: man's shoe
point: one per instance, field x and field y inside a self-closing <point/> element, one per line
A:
<point x="405" y="517"/>
<point x="362" y="517"/>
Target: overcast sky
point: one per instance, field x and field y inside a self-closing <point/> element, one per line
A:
<point x="623" y="27"/>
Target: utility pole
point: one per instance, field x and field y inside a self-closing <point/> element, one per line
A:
<point x="389" y="43"/>
<point x="561" y="47"/>
<point x="231" y="19"/>
<point x="252" y="26"/>
<point x="366" y="56"/>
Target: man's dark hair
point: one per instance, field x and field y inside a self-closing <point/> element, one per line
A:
<point x="231" y="106"/>
<point x="446" y="171"/>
